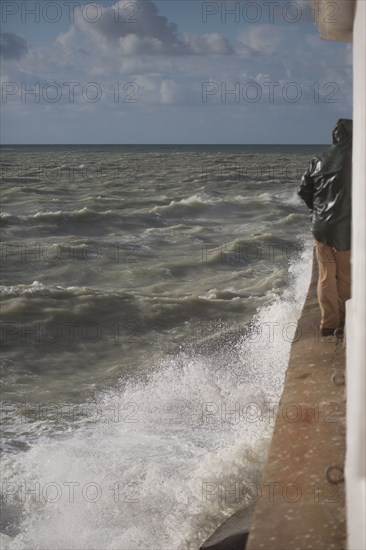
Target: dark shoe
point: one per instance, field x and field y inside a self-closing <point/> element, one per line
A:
<point x="339" y="333"/>
<point x="327" y="331"/>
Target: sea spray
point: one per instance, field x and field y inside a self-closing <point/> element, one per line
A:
<point x="173" y="457"/>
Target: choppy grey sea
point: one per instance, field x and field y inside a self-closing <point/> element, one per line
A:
<point x="149" y="299"/>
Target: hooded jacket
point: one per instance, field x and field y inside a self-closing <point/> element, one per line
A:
<point x="326" y="189"/>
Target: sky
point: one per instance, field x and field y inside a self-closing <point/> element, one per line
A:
<point x="169" y="71"/>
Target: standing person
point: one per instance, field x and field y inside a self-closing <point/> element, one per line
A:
<point x="326" y="189"/>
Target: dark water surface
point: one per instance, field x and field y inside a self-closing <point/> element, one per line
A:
<point x="149" y="296"/>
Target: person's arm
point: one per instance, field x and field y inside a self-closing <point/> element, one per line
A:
<point x="306" y="189"/>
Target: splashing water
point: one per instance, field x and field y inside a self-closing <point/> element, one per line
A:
<point x="165" y="458"/>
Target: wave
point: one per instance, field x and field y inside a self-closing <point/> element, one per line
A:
<point x="165" y="450"/>
<point x="248" y="251"/>
<point x="261" y="205"/>
<point x="194" y="201"/>
<point x="5" y="216"/>
<point x="21" y="180"/>
<point x="52" y="309"/>
<point x="39" y="289"/>
<point x="81" y="214"/>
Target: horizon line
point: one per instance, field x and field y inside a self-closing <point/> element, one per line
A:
<point x="152" y="144"/>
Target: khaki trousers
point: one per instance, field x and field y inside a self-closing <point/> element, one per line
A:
<point x="334" y="284"/>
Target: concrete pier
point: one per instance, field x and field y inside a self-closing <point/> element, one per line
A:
<point x="302" y="501"/>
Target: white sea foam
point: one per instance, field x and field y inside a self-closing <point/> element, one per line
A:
<point x="198" y="199"/>
<point x="39" y="289"/>
<point x="157" y="477"/>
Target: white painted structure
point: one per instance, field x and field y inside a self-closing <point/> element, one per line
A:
<point x="356" y="329"/>
<point x="350" y="24"/>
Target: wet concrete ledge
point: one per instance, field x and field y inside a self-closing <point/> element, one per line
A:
<point x="302" y="500"/>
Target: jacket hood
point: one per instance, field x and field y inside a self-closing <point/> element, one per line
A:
<point x="343" y="130"/>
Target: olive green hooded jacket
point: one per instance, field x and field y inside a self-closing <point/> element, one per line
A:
<point x="326" y="189"/>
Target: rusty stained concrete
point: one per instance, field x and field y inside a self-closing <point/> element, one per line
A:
<point x="302" y="501"/>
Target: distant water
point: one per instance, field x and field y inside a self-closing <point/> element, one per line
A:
<point x="149" y="298"/>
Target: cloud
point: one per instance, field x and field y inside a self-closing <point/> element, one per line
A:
<point x="209" y="43"/>
<point x="12" y="46"/>
<point x="119" y="22"/>
<point x="170" y="68"/>
<point x="143" y="31"/>
<point x="132" y="28"/>
<point x="169" y="92"/>
<point x="266" y="39"/>
<point x="132" y="44"/>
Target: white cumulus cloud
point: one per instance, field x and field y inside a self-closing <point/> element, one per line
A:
<point x="141" y="31"/>
<point x="207" y="43"/>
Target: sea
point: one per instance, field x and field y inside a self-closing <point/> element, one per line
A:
<point x="150" y="296"/>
